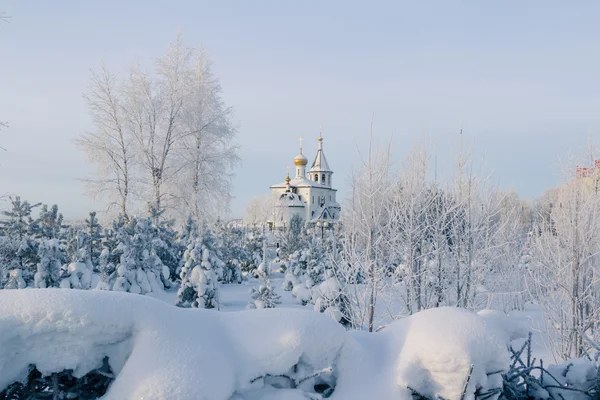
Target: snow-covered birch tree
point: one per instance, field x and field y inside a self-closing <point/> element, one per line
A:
<point x="164" y="134"/>
<point x="365" y="227"/>
<point x="207" y="151"/>
<point x="565" y="248"/>
<point x="110" y="146"/>
<point x="408" y="232"/>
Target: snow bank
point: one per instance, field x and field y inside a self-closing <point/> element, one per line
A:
<point x="158" y="351"/>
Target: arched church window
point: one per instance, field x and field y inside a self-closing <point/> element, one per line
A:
<point x="316" y="177"/>
<point x="323" y="179"/>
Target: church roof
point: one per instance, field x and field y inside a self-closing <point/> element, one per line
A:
<point x="301" y="182"/>
<point x="320" y="164"/>
<point x="290" y="200"/>
<point x="326" y="212"/>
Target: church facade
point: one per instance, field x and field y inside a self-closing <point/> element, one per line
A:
<point x="310" y="194"/>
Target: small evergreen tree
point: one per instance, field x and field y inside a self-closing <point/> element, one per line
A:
<point x="18" y="219"/>
<point x="294" y="238"/>
<point x="94" y="232"/>
<point x="232" y="252"/>
<point x="253" y="245"/>
<point x="49" y="222"/>
<point x="305" y="270"/>
<point x="48" y="269"/>
<point x="20" y="250"/>
<point x="199" y="286"/>
<point x="140" y="270"/>
<point x="78" y="273"/>
<point x="107" y="271"/>
<point x="264" y="296"/>
<point x="168" y="248"/>
<point x="209" y="242"/>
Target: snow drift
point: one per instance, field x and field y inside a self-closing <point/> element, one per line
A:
<point x="158" y="351"/>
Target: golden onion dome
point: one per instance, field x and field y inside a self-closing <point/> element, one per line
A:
<point x="300" y="160"/>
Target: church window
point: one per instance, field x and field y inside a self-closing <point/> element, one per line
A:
<point x="316" y="177"/>
<point x="323" y="179"/>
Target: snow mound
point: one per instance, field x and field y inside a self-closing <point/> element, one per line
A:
<point x="158" y="351"/>
<point x="439" y="349"/>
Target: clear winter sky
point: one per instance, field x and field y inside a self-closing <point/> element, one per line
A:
<point x="521" y="77"/>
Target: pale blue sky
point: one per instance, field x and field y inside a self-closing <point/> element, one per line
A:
<point x="521" y="77"/>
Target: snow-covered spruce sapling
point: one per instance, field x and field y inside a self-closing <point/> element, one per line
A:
<point x="306" y="270"/>
<point x="78" y="273"/>
<point x="20" y="250"/>
<point x="94" y="231"/>
<point x="49" y="222"/>
<point x="294" y="238"/>
<point x="199" y="285"/>
<point x="48" y="269"/>
<point x="233" y="254"/>
<point x="139" y="270"/>
<point x="253" y="245"/>
<point x="107" y="271"/>
<point x="264" y="296"/>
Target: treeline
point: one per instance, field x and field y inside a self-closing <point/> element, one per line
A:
<point x="132" y="254"/>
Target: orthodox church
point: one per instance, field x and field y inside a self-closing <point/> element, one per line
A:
<point x="309" y="194"/>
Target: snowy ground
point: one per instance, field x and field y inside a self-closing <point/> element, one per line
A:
<point x="235" y="297"/>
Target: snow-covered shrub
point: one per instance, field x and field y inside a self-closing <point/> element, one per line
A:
<point x="78" y="276"/>
<point x="531" y="379"/>
<point x="62" y="385"/>
<point x="199" y="285"/>
<point x="15" y="280"/>
<point x="263" y="296"/>
<point x="48" y="269"/>
<point x="331" y="298"/>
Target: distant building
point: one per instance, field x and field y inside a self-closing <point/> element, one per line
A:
<point x="312" y="197"/>
<point x="590" y="175"/>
